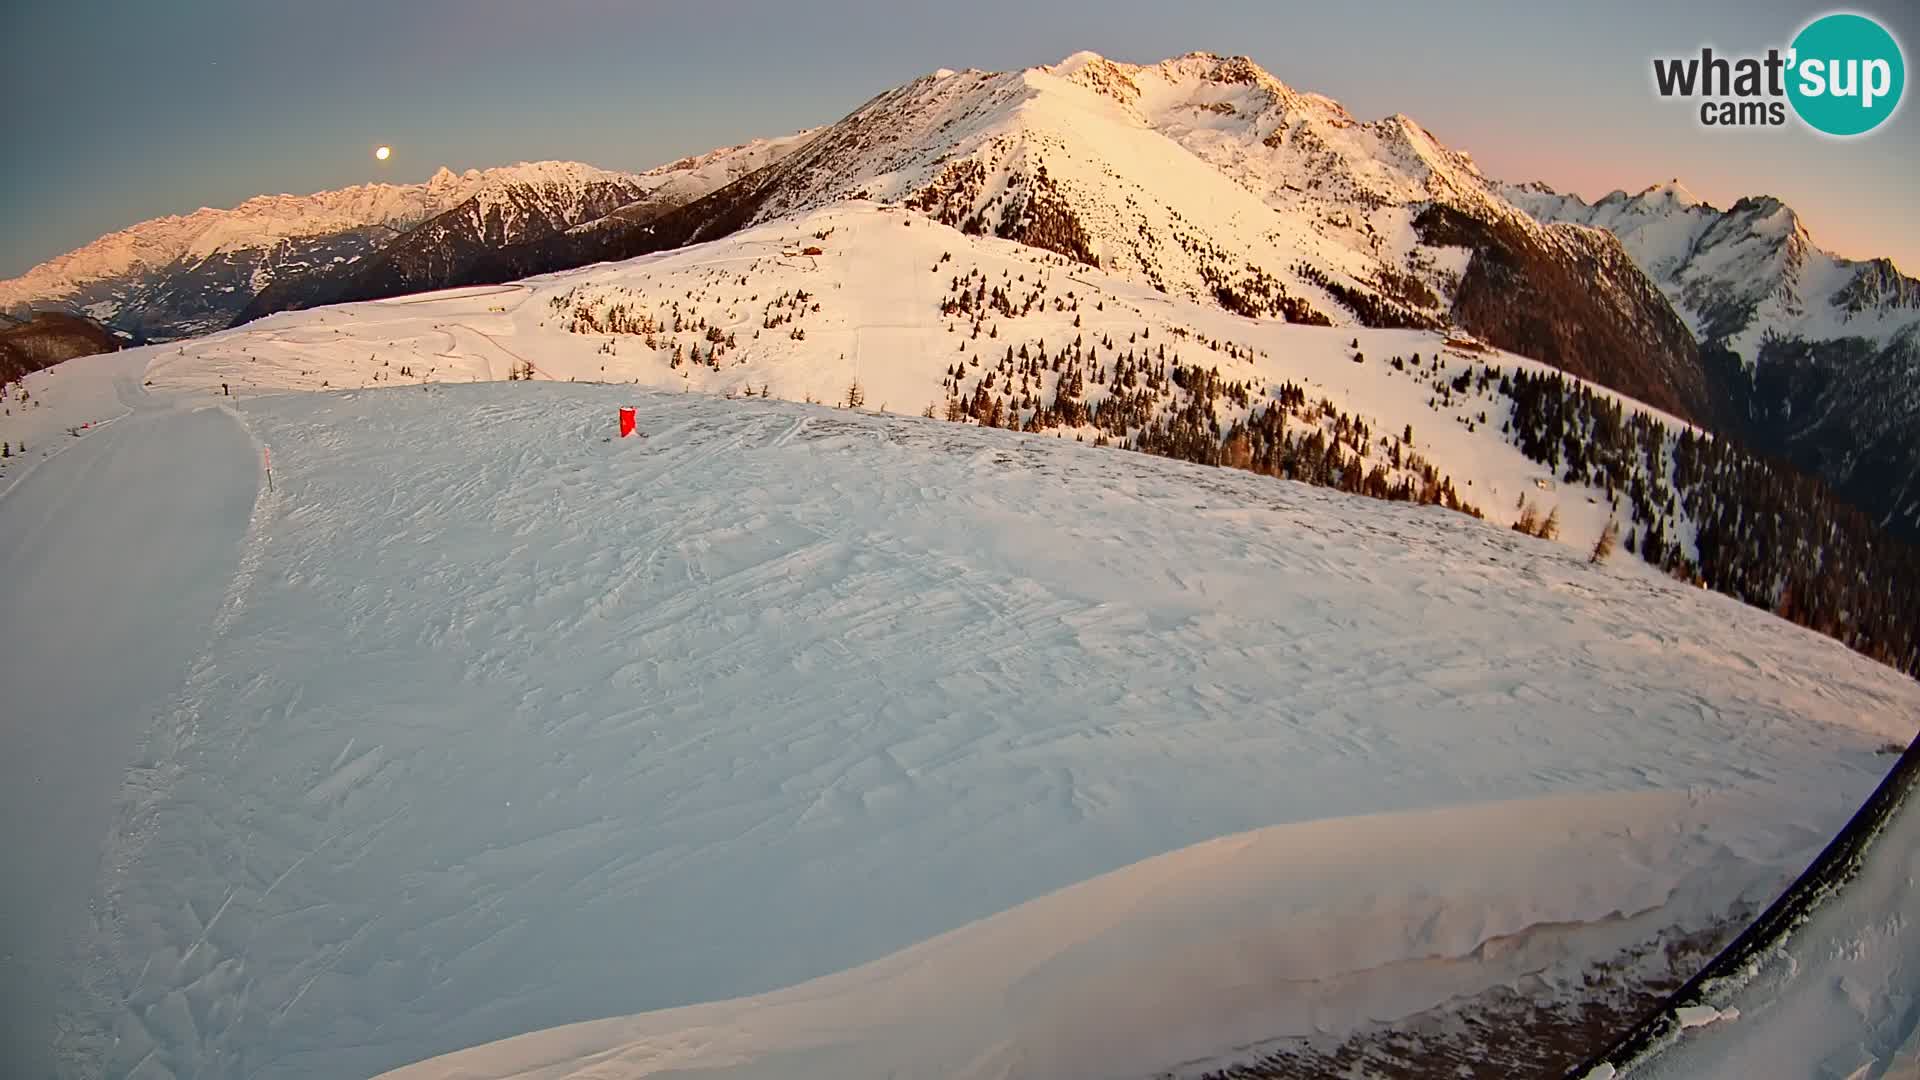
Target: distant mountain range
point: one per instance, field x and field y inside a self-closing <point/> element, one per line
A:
<point x="528" y="204"/>
<point x="1813" y="357"/>
<point x="1202" y="175"/>
<point x="184" y="275"/>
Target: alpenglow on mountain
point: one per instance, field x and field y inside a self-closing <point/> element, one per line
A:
<point x="1202" y="175"/>
<point x="1207" y="177"/>
<point x="190" y="274"/>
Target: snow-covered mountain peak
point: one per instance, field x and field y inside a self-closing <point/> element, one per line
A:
<point x="1221" y="70"/>
<point x="695" y="162"/>
<point x="1767" y="216"/>
<point x="1672" y="193"/>
<point x="1205" y="177"/>
<point x="1098" y="74"/>
<point x="1234" y="88"/>
<point x="1278" y="141"/>
<point x="542" y="172"/>
<point x="1269" y="138"/>
<point x="1071" y="66"/>
<point x="1745" y="274"/>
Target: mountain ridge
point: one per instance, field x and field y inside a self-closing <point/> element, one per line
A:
<point x="182" y="275"/>
<point x="157" y="241"/>
<point x="1744" y="272"/>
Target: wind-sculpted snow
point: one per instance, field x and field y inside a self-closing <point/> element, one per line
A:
<point x="1822" y="984"/>
<point x="1838" y="999"/>
<point x="1284" y="931"/>
<point x="508" y="724"/>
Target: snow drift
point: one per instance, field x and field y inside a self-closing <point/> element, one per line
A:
<point x="1289" y="930"/>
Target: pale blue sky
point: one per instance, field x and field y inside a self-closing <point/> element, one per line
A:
<point x="124" y="110"/>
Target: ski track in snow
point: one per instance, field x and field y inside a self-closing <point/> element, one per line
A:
<point x="114" y="553"/>
<point x="508" y="725"/>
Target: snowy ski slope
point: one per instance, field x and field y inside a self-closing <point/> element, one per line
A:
<point x="505" y="725"/>
<point x="114" y="555"/>
<point x="873" y="313"/>
<point x="802" y="741"/>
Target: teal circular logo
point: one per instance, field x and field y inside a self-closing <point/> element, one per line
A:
<point x="1847" y="74"/>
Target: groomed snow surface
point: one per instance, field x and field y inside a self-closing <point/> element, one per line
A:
<point x="115" y="551"/>
<point x="1068" y="761"/>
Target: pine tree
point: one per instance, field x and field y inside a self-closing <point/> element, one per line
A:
<point x="1603" y="547"/>
<point x="1529" y="520"/>
<point x="856" y="397"/>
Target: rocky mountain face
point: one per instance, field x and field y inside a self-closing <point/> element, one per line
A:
<point x="1844" y="408"/>
<point x="1810" y="356"/>
<point x="680" y="182"/>
<point x="514" y="205"/>
<point x="1534" y="295"/>
<point x="47" y="338"/>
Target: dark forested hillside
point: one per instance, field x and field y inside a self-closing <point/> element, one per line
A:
<point x="48" y="338"/>
<point x="1763" y="531"/>
<point x="1576" y="303"/>
<point x="1842" y="409"/>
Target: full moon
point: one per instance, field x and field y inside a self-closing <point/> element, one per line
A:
<point x="383" y="153"/>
